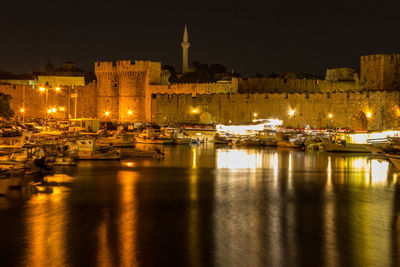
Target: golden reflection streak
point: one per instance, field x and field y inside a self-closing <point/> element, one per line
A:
<point x="194" y="158"/>
<point x="103" y="255"/>
<point x="127" y="222"/>
<point x="290" y="211"/>
<point x="276" y="220"/>
<point x="290" y="174"/>
<point x="329" y="219"/>
<point x="275" y="166"/>
<point x="238" y="159"/>
<point x="193" y="220"/>
<point x="379" y="171"/>
<point x="46" y="223"/>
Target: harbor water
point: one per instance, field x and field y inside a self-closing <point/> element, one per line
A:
<point x="209" y="206"/>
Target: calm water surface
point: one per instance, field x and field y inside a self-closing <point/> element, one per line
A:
<point x="206" y="206"/>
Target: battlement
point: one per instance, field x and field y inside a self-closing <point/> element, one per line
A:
<point x="381" y="71"/>
<point x="380" y="57"/>
<point x="104" y="66"/>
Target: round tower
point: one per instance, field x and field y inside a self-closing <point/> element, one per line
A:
<point x="107" y="91"/>
<point x="132" y="86"/>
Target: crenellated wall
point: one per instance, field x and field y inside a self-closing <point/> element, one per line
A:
<point x="193" y="88"/>
<point x="340" y="74"/>
<point x="276" y="85"/>
<point x="311" y="109"/>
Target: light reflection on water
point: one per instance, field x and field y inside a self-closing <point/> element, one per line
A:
<point x="230" y="207"/>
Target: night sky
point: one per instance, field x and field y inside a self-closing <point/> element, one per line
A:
<point x="247" y="36"/>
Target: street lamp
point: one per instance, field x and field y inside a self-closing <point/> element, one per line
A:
<point x="58" y="89"/>
<point x="330" y="116"/>
<point x="194" y="110"/>
<point x="291" y="112"/>
<point x="107" y="113"/>
<point x="369" y="114"/>
<point x="23" y="114"/>
<point x="255" y="115"/>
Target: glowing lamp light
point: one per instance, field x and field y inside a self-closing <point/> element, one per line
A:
<point x="57" y="89"/>
<point x="255" y="114"/>
<point x="330" y="115"/>
<point x="291" y="112"/>
<point x="194" y="110"/>
<point x="22" y="110"/>
<point x="130" y="112"/>
<point x="49" y="111"/>
<point x="369" y="114"/>
<point x="62" y="108"/>
<point x="107" y="113"/>
<point x="53" y="110"/>
<point x="41" y="89"/>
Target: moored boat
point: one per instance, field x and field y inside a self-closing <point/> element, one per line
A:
<point x="153" y="136"/>
<point x="395" y="159"/>
<point x="347" y="148"/>
<point x="87" y="149"/>
<point x="120" y="140"/>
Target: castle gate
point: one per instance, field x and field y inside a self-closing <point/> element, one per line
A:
<point x="359" y="121"/>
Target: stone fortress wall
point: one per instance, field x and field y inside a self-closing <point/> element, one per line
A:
<point x="348" y="109"/>
<point x="278" y="85"/>
<point x="139" y="92"/>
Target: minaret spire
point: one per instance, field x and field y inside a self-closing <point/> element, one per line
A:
<point x="185" y="51"/>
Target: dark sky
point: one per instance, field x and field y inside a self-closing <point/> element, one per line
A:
<point x="247" y="36"/>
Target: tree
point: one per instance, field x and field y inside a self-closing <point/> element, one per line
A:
<point x="5" y="109"/>
<point x="217" y="69"/>
<point x="173" y="77"/>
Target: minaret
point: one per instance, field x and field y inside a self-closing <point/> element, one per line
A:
<point x="185" y="48"/>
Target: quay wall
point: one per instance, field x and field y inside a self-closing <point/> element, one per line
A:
<point x="348" y="109"/>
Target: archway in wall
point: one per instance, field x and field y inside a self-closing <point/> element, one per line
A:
<point x="206" y="118"/>
<point x="359" y="121"/>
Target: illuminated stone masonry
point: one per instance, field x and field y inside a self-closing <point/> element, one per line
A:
<point x="139" y="91"/>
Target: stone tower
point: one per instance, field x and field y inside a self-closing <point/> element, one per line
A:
<point x="185" y="50"/>
<point x="380" y="72"/>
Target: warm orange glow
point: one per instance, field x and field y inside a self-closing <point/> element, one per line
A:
<point x="57" y="89"/>
<point x="330" y="115"/>
<point x="255" y="114"/>
<point x="53" y="110"/>
<point x="369" y="114"/>
<point x="22" y="110"/>
<point x="291" y="112"/>
<point x="107" y="113"/>
<point x="41" y="89"/>
<point x="194" y="110"/>
<point x="130" y="112"/>
<point x="62" y="108"/>
<point x="49" y="111"/>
